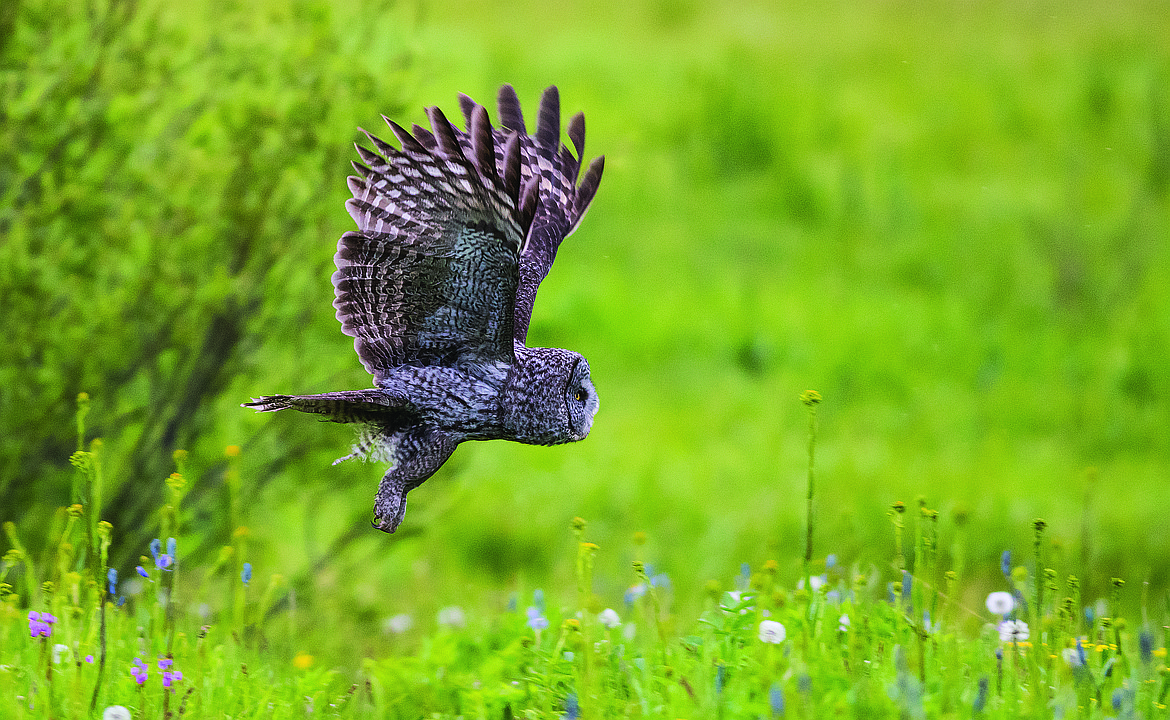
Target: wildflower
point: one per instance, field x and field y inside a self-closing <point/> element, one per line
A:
<point x="138" y="670"/>
<point x="1146" y="645"/>
<point x="40" y="624"/>
<point x="776" y="700"/>
<point x="661" y="580"/>
<point x="635" y="592"/>
<point x="116" y="712"/>
<point x="452" y="616"/>
<point x="743" y="580"/>
<point x="142" y="571"/>
<point x="1013" y="631"/>
<point x="609" y="618"/>
<point x="155" y="549"/>
<point x="538" y="598"/>
<point x="572" y="707"/>
<point x="1000" y="602"/>
<point x="60" y="652"/>
<point x="165" y="562"/>
<point x="1072" y="658"/>
<point x="772" y="632"/>
<point x="843" y="623"/>
<point x="171" y="677"/>
<point x="303" y="661"/>
<point x="398" y="624"/>
<point x="981" y="697"/>
<point x="246" y="573"/>
<point x="165" y="663"/>
<point x="1005" y="564"/>
<point x="89" y="659"/>
<point x="112" y="581"/>
<point x="536" y="619"/>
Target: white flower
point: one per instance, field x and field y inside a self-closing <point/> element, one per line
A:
<point x="116" y="712"/>
<point x="1013" y="631"/>
<point x="452" y="616"/>
<point x="772" y="632"/>
<point x="843" y="623"/>
<point x="1000" y="602"/>
<point x="609" y="618"/>
<point x="398" y="624"/>
<point x="60" y="652"/>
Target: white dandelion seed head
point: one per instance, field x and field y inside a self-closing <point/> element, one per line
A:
<point x="1013" y="631"/>
<point x="452" y="616"/>
<point x="772" y="632"/>
<point x="1000" y="602"/>
<point x="116" y="712"/>
<point x="609" y="618"/>
<point x="397" y="624"/>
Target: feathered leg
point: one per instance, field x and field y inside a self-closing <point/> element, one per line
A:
<point x="417" y="454"/>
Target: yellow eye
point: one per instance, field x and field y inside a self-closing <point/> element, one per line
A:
<point x="580" y="396"/>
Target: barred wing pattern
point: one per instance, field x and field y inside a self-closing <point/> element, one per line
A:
<point x="563" y="202"/>
<point x="430" y="277"/>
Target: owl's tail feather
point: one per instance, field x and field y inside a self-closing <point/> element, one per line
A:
<point x="373" y="405"/>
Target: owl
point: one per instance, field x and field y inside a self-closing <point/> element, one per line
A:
<point x="456" y="230"/>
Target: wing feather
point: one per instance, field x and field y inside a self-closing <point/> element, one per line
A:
<point x="431" y="274"/>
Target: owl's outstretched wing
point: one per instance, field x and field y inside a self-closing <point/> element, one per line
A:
<point x="563" y="201"/>
<point x="430" y="277"/>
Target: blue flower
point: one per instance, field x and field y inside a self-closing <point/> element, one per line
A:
<point x="572" y="707"/>
<point x="536" y="619"/>
<point x="1005" y="564"/>
<point x="142" y="571"/>
<point x="538" y="599"/>
<point x="776" y="700"/>
<point x="1146" y="644"/>
<point x="246" y="573"/>
<point x="165" y="562"/>
<point x="112" y="581"/>
<point x="981" y="697"/>
<point x="155" y="548"/>
<point x="831" y="561"/>
<point x="172" y="547"/>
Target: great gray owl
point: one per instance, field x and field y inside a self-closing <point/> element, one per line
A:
<point x="455" y="233"/>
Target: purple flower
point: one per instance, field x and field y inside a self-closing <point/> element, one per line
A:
<point x="165" y="663"/>
<point x="89" y="659"/>
<point x="165" y="562"/>
<point x="138" y="670"/>
<point x="40" y="624"/>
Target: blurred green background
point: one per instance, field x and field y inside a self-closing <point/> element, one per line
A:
<point x="950" y="218"/>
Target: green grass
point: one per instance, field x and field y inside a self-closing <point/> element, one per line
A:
<point x="184" y="639"/>
<point x="949" y="219"/>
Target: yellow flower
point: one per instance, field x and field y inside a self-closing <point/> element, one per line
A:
<point x="303" y="661"/>
<point x="232" y="450"/>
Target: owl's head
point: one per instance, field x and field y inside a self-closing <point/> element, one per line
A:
<point x="581" y="401"/>
<point x="549" y="398"/>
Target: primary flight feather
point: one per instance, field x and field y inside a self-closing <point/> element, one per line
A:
<point x="456" y="230"/>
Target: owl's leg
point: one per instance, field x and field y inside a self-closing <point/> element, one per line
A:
<point x="418" y="453"/>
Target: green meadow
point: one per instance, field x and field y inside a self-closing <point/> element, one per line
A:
<point x="950" y="219"/>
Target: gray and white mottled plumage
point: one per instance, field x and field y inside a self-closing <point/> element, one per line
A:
<point x="456" y="230"/>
